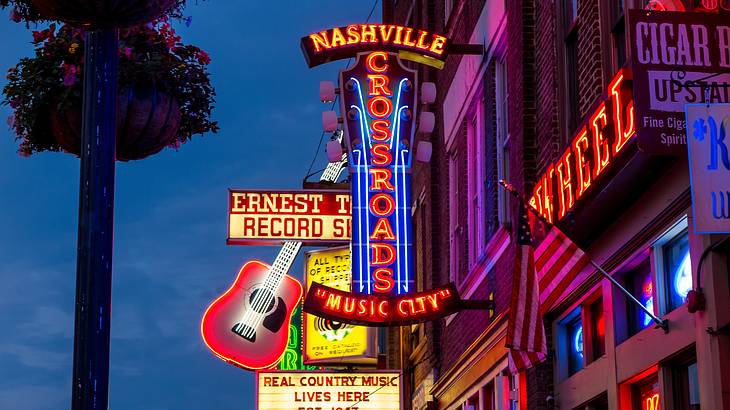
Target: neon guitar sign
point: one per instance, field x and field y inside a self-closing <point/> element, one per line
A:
<point x="248" y="326"/>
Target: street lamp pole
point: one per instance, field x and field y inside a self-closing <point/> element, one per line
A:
<point x="96" y="222"/>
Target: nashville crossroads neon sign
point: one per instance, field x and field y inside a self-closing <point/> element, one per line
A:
<point x="343" y="42"/>
<point x="379" y="100"/>
<point x="597" y="143"/>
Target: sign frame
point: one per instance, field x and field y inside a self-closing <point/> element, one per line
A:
<point x="279" y="241"/>
<point x="401" y="390"/>
<point x="368" y="357"/>
<point x="706" y="180"/>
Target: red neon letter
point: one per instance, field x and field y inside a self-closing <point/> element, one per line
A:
<point x="380" y="107"/>
<point x="381" y="130"/>
<point x="580" y="145"/>
<point x="381" y="154"/>
<point x="384" y="282"/>
<point x="378" y="200"/>
<point x="565" y="186"/>
<point x="379" y="85"/>
<point x="382" y="231"/>
<point x="623" y="131"/>
<point x="381" y="179"/>
<point x="353" y="36"/>
<point x="383" y="253"/>
<point x="543" y="196"/>
<point x="600" y="144"/>
<point x="368" y="33"/>
<point x="373" y="65"/>
<point x="320" y="40"/>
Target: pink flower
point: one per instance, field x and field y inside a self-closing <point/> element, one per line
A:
<point x="14" y="103"/>
<point x="203" y="57"/>
<point x="15" y="15"/>
<point x="127" y="52"/>
<point x="69" y="75"/>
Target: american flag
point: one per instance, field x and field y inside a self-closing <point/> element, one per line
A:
<point x="541" y="278"/>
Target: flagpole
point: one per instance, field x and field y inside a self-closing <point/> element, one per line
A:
<point x="664" y="324"/>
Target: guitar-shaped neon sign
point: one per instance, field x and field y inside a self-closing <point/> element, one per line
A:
<point x="248" y="325"/>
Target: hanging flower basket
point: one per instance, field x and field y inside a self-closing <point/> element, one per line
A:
<point x="148" y="121"/>
<point x="92" y="13"/>
<point x="165" y="95"/>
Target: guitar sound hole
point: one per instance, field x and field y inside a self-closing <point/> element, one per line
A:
<point x="262" y="300"/>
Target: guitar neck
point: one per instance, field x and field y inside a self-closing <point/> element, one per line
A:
<point x="289" y="251"/>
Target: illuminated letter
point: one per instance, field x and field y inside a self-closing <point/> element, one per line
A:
<point x="380" y="180"/>
<point x="353" y="36"/>
<point x="565" y="186"/>
<point x="398" y="30"/>
<point x="580" y="145"/>
<point x="383" y="253"/>
<point x="381" y="130"/>
<point x="333" y="302"/>
<point x="382" y="231"/>
<point x="337" y="38"/>
<point x="383" y="309"/>
<point x="381" y="154"/>
<point x="383" y="280"/>
<point x="437" y="47"/>
<point x="422" y="36"/>
<point x="380" y="107"/>
<point x="379" y="85"/>
<point x="407" y="38"/>
<point x="385" y="35"/>
<point x="380" y="199"/>
<point x="623" y="131"/>
<point x="320" y="40"/>
<point x="372" y="64"/>
<point x="368" y="32"/>
<point x="600" y="144"/>
<point x="543" y="195"/>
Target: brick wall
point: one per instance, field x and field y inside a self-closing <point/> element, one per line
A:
<point x="590" y="81"/>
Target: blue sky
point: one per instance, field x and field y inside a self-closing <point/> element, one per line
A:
<point x="170" y="256"/>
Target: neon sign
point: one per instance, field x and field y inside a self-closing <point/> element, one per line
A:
<point x="597" y="143"/>
<point x="652" y="402"/>
<point x="379" y="310"/>
<point x="379" y="101"/>
<point x="293" y="358"/>
<point x="343" y="42"/>
<point x="272" y="217"/>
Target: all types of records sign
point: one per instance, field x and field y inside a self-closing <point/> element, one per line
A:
<point x="330" y="341"/>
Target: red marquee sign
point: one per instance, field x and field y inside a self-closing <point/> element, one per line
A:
<point x="597" y="143"/>
<point x="378" y="310"/>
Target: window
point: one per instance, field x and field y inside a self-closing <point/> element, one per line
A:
<point x="475" y="175"/>
<point x="501" y="99"/>
<point x="677" y="270"/>
<point x="458" y="213"/>
<point x="597" y="332"/>
<point x="570" y="344"/>
<point x="618" y="34"/>
<point x="448" y="7"/>
<point x="685" y="385"/>
<point x="571" y="64"/>
<point x="645" y="394"/>
<point x="639" y="283"/>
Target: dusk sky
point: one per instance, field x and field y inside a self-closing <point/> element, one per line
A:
<point x="170" y="255"/>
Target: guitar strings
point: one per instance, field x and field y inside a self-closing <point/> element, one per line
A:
<point x="251" y="317"/>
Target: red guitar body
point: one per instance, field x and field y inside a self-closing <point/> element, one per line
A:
<point x="251" y="344"/>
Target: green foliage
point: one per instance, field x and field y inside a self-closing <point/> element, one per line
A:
<point x="150" y="56"/>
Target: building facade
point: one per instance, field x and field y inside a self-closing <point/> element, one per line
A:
<point x="554" y="87"/>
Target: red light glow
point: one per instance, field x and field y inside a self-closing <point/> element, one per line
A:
<point x="605" y="134"/>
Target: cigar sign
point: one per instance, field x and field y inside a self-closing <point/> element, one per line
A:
<point x="328" y="390"/>
<point x="258" y="217"/>
<point x="678" y="58"/>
